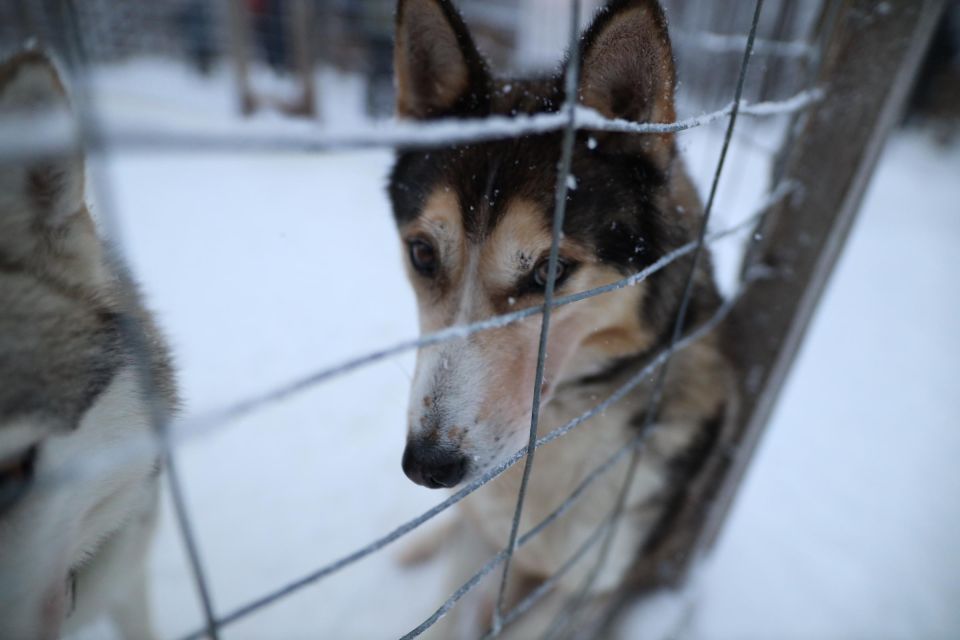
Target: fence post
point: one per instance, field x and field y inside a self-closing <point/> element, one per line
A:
<point x="239" y="21"/>
<point x="870" y="53"/>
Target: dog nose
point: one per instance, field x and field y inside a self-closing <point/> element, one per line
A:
<point x="433" y="467"/>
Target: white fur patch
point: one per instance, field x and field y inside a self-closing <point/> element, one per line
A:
<point x="62" y="522"/>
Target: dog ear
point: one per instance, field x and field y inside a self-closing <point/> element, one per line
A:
<point x="627" y="68"/>
<point x="50" y="188"/>
<point x="439" y="71"/>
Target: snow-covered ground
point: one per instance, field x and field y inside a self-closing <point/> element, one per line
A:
<point x="847" y="524"/>
<point x="263" y="268"/>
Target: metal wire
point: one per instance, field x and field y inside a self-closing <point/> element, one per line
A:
<point x="203" y="424"/>
<point x="131" y="329"/>
<point x="43" y="139"/>
<point x="185" y="429"/>
<point x="180" y="432"/>
<point x="547" y="585"/>
<point x="341" y="563"/>
<point x="652" y="410"/>
<point x="559" y="210"/>
<point x="632" y="447"/>
<point x="728" y="43"/>
<point x="491" y="564"/>
<point x="570" y="119"/>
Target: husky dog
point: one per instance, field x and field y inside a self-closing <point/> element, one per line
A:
<point x="72" y="543"/>
<point x="475" y="224"/>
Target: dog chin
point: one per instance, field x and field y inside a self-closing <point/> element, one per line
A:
<point x="482" y="463"/>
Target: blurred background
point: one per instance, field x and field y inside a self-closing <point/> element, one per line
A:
<point x="295" y="37"/>
<point x="265" y="267"/>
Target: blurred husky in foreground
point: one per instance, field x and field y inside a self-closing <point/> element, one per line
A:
<point x="475" y="223"/>
<point x="72" y="544"/>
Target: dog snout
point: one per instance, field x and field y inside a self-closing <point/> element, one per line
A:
<point x="434" y="467"/>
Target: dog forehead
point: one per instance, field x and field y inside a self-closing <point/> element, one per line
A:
<point x="521" y="235"/>
<point x="441" y="213"/>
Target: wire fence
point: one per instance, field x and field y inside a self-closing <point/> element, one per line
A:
<point x="102" y="138"/>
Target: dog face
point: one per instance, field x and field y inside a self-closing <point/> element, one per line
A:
<point x="475" y="222"/>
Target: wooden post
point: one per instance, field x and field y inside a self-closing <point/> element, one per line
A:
<point x="239" y="21"/>
<point x="301" y="30"/>
<point x="870" y="53"/>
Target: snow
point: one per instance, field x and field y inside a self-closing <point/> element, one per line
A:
<point x="265" y="268"/>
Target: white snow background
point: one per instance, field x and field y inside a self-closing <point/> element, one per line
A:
<point x="264" y="267"/>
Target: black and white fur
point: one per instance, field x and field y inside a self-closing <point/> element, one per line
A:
<point x="73" y="536"/>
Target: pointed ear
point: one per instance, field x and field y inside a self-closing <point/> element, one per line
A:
<point x="48" y="188"/>
<point x="627" y="64"/>
<point x="439" y="71"/>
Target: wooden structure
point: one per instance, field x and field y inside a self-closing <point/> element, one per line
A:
<point x="296" y="31"/>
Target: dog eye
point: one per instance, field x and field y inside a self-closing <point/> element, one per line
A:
<point x="542" y="271"/>
<point x="16" y="474"/>
<point x="423" y="257"/>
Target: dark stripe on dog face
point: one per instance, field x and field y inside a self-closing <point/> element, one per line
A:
<point x="614" y="205"/>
